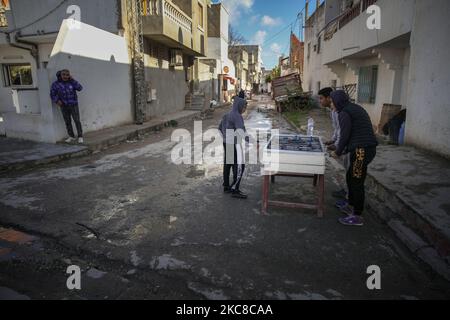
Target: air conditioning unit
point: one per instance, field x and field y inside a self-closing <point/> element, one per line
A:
<point x="176" y="58"/>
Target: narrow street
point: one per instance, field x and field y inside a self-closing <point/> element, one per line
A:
<point x="142" y="227"/>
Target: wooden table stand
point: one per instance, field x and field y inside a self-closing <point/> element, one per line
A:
<point x="319" y="183"/>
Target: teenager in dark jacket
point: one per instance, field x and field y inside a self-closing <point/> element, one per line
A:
<point x="64" y="94"/>
<point x="357" y="138"/>
<point x="234" y="136"/>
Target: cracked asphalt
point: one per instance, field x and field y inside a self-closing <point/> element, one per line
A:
<point x="141" y="227"/>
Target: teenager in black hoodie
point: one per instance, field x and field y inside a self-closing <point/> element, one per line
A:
<point x="357" y="138"/>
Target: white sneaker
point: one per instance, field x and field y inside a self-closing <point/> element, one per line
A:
<point x="70" y="140"/>
<point x="80" y="140"/>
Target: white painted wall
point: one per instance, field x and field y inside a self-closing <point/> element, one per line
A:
<point x="428" y="115"/>
<point x="314" y="69"/>
<point x="99" y="60"/>
<point x="100" y="13"/>
<point x="396" y="20"/>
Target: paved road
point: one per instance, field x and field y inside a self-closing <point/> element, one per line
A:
<point x="141" y="227"/>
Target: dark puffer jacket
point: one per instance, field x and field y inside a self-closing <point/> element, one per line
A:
<point x="356" y="127"/>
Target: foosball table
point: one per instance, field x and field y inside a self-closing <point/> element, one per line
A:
<point x="294" y="156"/>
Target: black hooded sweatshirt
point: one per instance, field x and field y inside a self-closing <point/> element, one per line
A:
<point x="355" y="125"/>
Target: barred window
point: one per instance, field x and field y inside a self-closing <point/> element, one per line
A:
<point x="367" y="84"/>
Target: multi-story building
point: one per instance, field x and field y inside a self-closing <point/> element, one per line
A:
<point x="176" y="33"/>
<point x="296" y="57"/>
<point x="315" y="74"/>
<point x="223" y="77"/>
<point x="396" y="66"/>
<point x="254" y="66"/>
<point x="240" y="58"/>
<point x="250" y="56"/>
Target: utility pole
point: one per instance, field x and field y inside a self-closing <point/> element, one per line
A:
<point x="135" y="12"/>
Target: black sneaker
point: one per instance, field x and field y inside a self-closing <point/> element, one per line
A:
<point x="239" y="194"/>
<point x="227" y="190"/>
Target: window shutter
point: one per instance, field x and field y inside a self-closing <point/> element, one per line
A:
<point x="367" y="86"/>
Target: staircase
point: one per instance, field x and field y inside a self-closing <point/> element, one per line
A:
<point x="195" y="102"/>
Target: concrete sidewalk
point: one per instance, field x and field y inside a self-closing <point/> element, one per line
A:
<point x="16" y="154"/>
<point x="103" y="139"/>
<point x="409" y="190"/>
<point x="412" y="189"/>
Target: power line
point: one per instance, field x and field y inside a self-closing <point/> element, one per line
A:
<point x="278" y="33"/>
<point x="292" y="25"/>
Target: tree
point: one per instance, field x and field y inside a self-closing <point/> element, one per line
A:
<point x="276" y="72"/>
<point x="235" y="38"/>
<point x="268" y="78"/>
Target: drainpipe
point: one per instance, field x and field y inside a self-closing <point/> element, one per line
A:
<point x="24" y="45"/>
<point x="120" y="15"/>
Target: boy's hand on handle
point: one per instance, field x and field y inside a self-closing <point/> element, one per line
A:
<point x="334" y="155"/>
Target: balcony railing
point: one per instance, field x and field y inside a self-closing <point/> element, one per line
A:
<point x="168" y="10"/>
<point x="3" y="20"/>
<point x="367" y="3"/>
<point x="349" y="15"/>
<point x="346" y="17"/>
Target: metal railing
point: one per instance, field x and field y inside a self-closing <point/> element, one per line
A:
<point x="346" y="17"/>
<point x="3" y="20"/>
<point x="151" y="7"/>
<point x="350" y="89"/>
<point x="367" y="3"/>
<point x="349" y="15"/>
<point x="168" y="10"/>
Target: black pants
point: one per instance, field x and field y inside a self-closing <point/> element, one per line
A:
<point x="69" y="113"/>
<point x="233" y="160"/>
<point x="356" y="176"/>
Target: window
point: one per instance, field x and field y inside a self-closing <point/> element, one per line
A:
<point x="200" y="15"/>
<point x="367" y="86"/>
<point x="309" y="50"/>
<point x="15" y="75"/>
<point x="319" y="43"/>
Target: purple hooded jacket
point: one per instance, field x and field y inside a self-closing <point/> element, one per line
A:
<point x="65" y="91"/>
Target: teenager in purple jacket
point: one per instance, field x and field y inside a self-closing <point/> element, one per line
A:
<point x="64" y="94"/>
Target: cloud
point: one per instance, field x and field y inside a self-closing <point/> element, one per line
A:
<point x="259" y="37"/>
<point x="254" y="19"/>
<point x="268" y="21"/>
<point x="235" y="8"/>
<point x="275" y="48"/>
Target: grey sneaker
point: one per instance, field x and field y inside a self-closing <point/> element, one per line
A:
<point x="70" y="140"/>
<point x="80" y="140"/>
